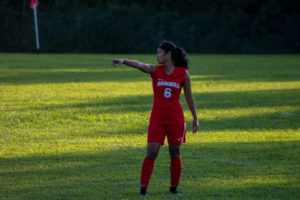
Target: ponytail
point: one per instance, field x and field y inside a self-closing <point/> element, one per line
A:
<point x="179" y="56"/>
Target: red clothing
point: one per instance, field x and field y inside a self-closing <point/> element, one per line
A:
<point x="174" y="132"/>
<point x="167" y="115"/>
<point x="166" y="119"/>
<point x="167" y="88"/>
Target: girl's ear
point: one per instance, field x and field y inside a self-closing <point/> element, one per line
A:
<point x="169" y="54"/>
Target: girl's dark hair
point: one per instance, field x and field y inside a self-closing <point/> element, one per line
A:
<point x="179" y="56"/>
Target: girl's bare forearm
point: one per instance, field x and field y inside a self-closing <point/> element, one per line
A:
<point x="132" y="63"/>
<point x="136" y="64"/>
<point x="192" y="106"/>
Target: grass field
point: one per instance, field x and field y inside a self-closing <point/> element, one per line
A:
<point x="73" y="127"/>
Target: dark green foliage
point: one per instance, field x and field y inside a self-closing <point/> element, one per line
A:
<point x="253" y="26"/>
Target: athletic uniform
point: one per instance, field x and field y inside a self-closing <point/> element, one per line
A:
<point x="167" y="115"/>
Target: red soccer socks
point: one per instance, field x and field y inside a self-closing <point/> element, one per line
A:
<point x="175" y="170"/>
<point x="147" y="170"/>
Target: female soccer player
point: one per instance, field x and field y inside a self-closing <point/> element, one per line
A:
<point x="167" y="118"/>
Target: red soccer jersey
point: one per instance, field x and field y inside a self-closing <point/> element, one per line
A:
<point x="167" y="89"/>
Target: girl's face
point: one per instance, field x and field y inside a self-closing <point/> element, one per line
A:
<point x="162" y="56"/>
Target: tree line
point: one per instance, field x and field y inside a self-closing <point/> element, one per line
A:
<point x="119" y="26"/>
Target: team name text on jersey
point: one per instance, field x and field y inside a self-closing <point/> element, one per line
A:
<point x="168" y="84"/>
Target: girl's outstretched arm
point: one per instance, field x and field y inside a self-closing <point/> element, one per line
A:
<point x="189" y="99"/>
<point x="147" y="68"/>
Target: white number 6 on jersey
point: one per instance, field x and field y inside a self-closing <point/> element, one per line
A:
<point x="167" y="92"/>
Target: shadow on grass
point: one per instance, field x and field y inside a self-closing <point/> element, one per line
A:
<point x="254" y="122"/>
<point x="246" y="99"/>
<point x="207" y="100"/>
<point x="67" y="77"/>
<point x="50" y="68"/>
<point x="240" y="190"/>
<point x="74" y="175"/>
<point x="209" y="169"/>
<point x="242" y="170"/>
<point x="247" y="74"/>
<point x="49" y="77"/>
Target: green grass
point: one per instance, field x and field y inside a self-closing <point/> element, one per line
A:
<point x="73" y="127"/>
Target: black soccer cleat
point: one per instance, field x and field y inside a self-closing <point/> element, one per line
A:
<point x="143" y="192"/>
<point x="173" y="190"/>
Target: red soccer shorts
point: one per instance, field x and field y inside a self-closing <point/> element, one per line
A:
<point x="174" y="132"/>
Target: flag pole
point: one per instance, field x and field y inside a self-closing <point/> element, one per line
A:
<point x="36" y="28"/>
